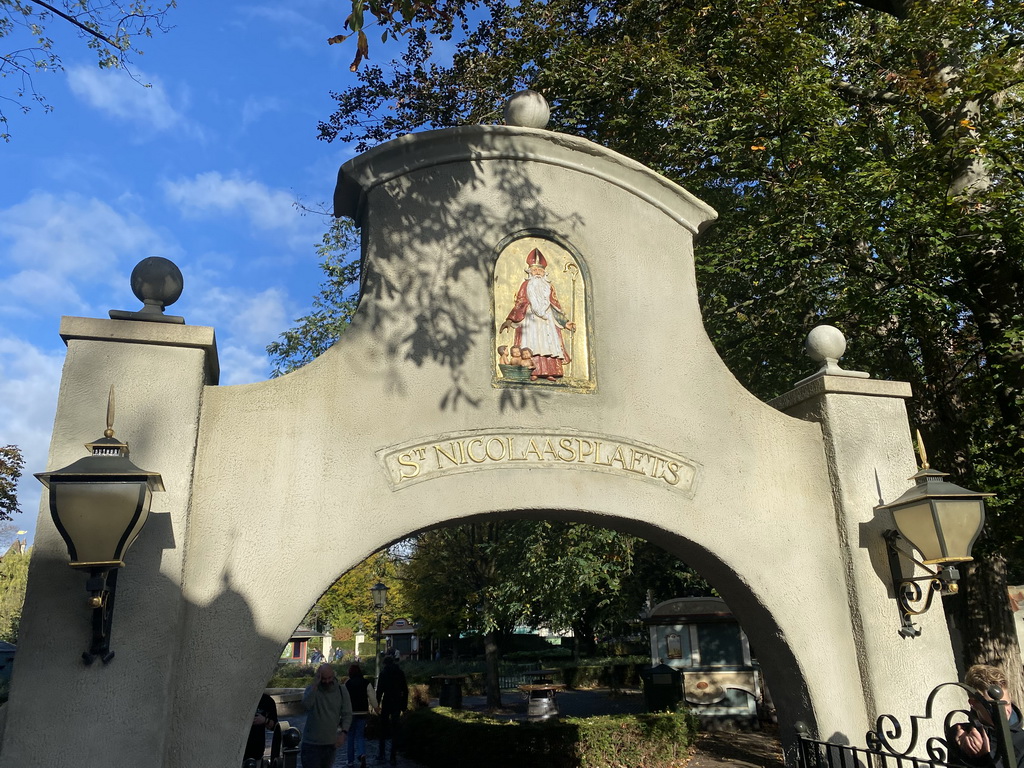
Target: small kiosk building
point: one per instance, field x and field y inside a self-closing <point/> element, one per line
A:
<point x="701" y="638"/>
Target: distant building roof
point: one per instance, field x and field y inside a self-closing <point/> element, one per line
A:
<point x="400" y="627"/>
<point x="305" y="633"/>
<point x="682" y="608"/>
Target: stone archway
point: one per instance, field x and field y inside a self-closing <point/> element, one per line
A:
<point x="408" y="423"/>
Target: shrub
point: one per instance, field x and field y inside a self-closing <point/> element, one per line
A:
<point x="419" y="696"/>
<point x="439" y="736"/>
<point x="549" y="654"/>
<point x="608" y="673"/>
<point x="292" y="676"/>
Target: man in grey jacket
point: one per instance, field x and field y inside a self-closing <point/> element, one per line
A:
<point x="327" y="722"/>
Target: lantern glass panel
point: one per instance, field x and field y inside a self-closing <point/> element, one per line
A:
<point x="916" y="524"/>
<point x="97" y="516"/>
<point x="961" y="520"/>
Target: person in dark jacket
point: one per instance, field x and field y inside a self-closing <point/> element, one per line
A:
<point x="364" y="701"/>
<point x="977" y="739"/>
<point x="264" y="720"/>
<point x="393" y="696"/>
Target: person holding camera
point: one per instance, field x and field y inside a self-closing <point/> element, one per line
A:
<point x="977" y="740"/>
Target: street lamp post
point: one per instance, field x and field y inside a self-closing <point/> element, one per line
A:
<point x="379" y="592"/>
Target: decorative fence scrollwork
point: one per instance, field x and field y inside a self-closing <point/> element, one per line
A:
<point x="890" y="744"/>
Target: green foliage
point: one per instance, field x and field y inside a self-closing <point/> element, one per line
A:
<point x="654" y="740"/>
<point x="865" y="161"/>
<point x="292" y="676"/>
<point x="393" y="18"/>
<point x="605" y="673"/>
<point x="109" y="28"/>
<point x="11" y="464"/>
<point x="333" y="306"/>
<point x="494" y="576"/>
<point x="547" y="655"/>
<point x="13" y="581"/>
<point x="348" y="602"/>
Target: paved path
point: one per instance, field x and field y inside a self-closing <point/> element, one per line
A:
<point x="341" y="758"/>
<point x="721" y="749"/>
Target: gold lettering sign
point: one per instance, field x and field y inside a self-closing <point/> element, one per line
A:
<point x="412" y="463"/>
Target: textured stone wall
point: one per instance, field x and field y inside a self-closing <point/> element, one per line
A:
<point x="297" y="479"/>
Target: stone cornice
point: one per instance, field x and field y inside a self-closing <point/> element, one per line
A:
<point x="476" y="143"/>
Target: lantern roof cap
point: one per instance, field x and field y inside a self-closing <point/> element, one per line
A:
<point x="108" y="461"/>
<point x="930" y="485"/>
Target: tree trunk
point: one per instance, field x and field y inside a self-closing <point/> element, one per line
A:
<point x="492" y="678"/>
<point x="586" y="642"/>
<point x="982" y="613"/>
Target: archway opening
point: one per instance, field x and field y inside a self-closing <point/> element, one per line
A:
<point x="495" y="597"/>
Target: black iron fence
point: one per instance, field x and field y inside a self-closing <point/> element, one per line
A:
<point x="891" y="745"/>
<point x="511" y="676"/>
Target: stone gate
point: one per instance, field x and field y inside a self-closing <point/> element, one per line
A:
<point x="623" y="416"/>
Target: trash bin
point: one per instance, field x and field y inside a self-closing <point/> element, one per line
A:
<point x="450" y="694"/>
<point x="663" y="688"/>
<point x="540" y="700"/>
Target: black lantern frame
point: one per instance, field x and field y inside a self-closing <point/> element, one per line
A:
<point x="99" y="504"/>
<point x="940" y="520"/>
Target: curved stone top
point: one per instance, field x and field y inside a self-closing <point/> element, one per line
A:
<point x="475" y="143"/>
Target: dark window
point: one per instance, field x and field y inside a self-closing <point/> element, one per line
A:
<point x="720" y="645"/>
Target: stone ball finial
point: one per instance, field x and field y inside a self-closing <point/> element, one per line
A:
<point x="527" y="109"/>
<point x="157" y="283"/>
<point x="825" y="342"/>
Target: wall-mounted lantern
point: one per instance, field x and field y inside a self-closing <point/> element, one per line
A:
<point x="941" y="521"/>
<point x="99" y="504"/>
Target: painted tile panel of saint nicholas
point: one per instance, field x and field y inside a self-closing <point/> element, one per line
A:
<point x="541" y="320"/>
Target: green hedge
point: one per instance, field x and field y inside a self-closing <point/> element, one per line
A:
<point x="614" y="675"/>
<point x="441" y="737"/>
<point x="594" y="673"/>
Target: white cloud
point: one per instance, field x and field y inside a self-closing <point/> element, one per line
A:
<point x="29" y="379"/>
<point x="145" y="103"/>
<point x="294" y="27"/>
<point x="239" y="365"/>
<point x="250" y="319"/>
<point x="64" y="244"/>
<point x="213" y="194"/>
<point x="256" y="106"/>
<point x="245" y="321"/>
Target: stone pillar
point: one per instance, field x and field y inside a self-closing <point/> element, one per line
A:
<point x="867" y="440"/>
<point x="115" y="715"/>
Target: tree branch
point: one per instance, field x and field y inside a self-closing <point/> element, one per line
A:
<point x="77" y="23"/>
<point x="846" y="88"/>
<point x="892" y="7"/>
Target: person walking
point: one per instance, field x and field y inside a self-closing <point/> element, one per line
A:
<point x="328" y="720"/>
<point x="393" y="695"/>
<point x="364" y="701"/>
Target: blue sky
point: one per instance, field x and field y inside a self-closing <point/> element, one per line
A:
<point x="202" y="168"/>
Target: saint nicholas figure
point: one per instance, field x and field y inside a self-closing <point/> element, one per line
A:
<point x="538" y="320"/>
